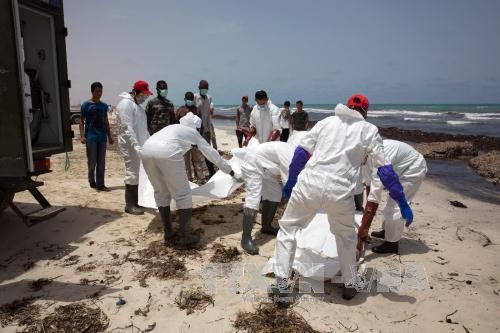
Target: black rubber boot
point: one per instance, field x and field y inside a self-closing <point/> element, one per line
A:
<point x="186" y="236"/>
<point x="281" y="292"/>
<point x="358" y="202"/>
<point x="348" y="292"/>
<point x="246" y="237"/>
<point x="268" y="211"/>
<point x="168" y="233"/>
<point x="387" y="247"/>
<point x="378" y="234"/>
<point x="131" y="195"/>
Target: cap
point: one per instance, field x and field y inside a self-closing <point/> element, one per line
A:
<point x="359" y="101"/>
<point x="143" y="87"/>
<point x="245" y="97"/>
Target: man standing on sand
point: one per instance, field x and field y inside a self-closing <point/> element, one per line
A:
<point x="203" y="103"/>
<point x="160" y="110"/>
<point x="300" y="118"/>
<point x="325" y="173"/>
<point x="411" y="168"/>
<point x="132" y="133"/>
<point x="94" y="128"/>
<point x="264" y="120"/>
<point x="285" y="121"/>
<point x="242" y="120"/>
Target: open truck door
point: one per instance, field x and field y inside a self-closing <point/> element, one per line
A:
<point x="34" y="90"/>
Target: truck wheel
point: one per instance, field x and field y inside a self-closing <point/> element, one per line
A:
<point x="75" y="119"/>
<point x="5" y="199"/>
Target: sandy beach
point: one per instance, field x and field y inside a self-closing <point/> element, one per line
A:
<point x="91" y="254"/>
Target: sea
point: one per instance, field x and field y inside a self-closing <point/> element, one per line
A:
<point x="467" y="119"/>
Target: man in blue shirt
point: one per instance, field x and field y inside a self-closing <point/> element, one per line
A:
<point x="94" y="119"/>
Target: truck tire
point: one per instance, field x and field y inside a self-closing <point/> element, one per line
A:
<point x="5" y="199"/>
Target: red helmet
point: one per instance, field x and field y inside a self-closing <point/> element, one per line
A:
<point x="359" y="101"/>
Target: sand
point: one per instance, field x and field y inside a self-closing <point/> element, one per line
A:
<point x="90" y="254"/>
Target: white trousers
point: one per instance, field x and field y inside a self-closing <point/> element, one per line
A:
<point x="167" y="175"/>
<point x="394" y="224"/>
<point x="132" y="165"/>
<point x="308" y="196"/>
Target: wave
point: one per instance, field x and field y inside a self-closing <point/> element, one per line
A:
<point x="422" y="119"/>
<point x="458" y="122"/>
<point x="482" y="116"/>
<point x="405" y="112"/>
<point x="319" y="110"/>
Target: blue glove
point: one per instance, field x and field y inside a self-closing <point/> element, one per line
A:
<point x="287" y="189"/>
<point x="406" y="212"/>
<point x="299" y="160"/>
<point x="390" y="180"/>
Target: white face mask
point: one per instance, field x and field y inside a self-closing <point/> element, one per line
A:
<point x="262" y="107"/>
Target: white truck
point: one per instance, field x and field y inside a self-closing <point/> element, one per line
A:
<point x="34" y="99"/>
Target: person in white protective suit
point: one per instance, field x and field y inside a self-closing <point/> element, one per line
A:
<point x="264" y="120"/>
<point x="411" y="168"/>
<point x="261" y="169"/>
<point x="163" y="160"/>
<point x="132" y="133"/>
<point x="331" y="155"/>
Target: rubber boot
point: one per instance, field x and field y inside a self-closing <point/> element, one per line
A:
<point x="348" y="292"/>
<point x="168" y="233"/>
<point x="378" y="234"/>
<point x="387" y="247"/>
<point x="246" y="237"/>
<point x="280" y="292"/>
<point x="131" y="194"/>
<point x="268" y="211"/>
<point x="358" y="202"/>
<point x="186" y="237"/>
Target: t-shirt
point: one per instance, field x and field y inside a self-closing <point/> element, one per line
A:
<point x="204" y="104"/>
<point x="284" y="119"/>
<point x="299" y="120"/>
<point x="244" y="113"/>
<point x="94" y="116"/>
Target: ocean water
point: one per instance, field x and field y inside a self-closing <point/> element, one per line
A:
<point x="470" y="119"/>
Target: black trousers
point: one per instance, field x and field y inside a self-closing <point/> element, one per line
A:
<point x="285" y="132"/>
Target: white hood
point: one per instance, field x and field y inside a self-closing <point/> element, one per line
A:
<point x="126" y="95"/>
<point x="342" y="110"/>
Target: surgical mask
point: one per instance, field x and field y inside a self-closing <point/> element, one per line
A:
<point x="163" y="92"/>
<point x="141" y="100"/>
<point x="189" y="102"/>
<point x="203" y="92"/>
<point x="262" y="107"/>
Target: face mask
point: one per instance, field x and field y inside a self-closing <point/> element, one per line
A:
<point x="163" y="92"/>
<point x="141" y="99"/>
<point x="189" y="102"/>
<point x="203" y="92"/>
<point x="262" y="107"/>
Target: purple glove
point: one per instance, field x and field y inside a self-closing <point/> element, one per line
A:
<point x="390" y="179"/>
<point x="299" y="160"/>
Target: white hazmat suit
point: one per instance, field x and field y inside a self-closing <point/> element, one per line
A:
<point x="163" y="160"/>
<point x="132" y="134"/>
<point x="265" y="119"/>
<point x="411" y="168"/>
<point x="262" y="167"/>
<point x="338" y="145"/>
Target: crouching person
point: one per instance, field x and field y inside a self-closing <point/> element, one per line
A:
<point x="262" y="169"/>
<point x="163" y="160"/>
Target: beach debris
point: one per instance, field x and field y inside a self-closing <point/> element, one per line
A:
<point x="442" y="261"/>
<point x="193" y="299"/>
<point x="88" y="267"/>
<point x="144" y="311"/>
<point x="40" y="283"/>
<point x="464" y="233"/>
<point x="270" y="318"/>
<point x="70" y="261"/>
<point x="75" y="317"/>
<point x="225" y="255"/>
<point x="458" y="204"/>
<point x="447" y="149"/>
<point x="487" y="165"/>
<point x="449" y="320"/>
<point x="158" y="262"/>
<point x="121" y="301"/>
<point x="403" y="320"/>
<point x="23" y="312"/>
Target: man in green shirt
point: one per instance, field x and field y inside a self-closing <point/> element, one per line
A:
<point x="300" y="118"/>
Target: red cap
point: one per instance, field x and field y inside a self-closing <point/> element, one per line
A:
<point x="359" y="101"/>
<point x="143" y="87"/>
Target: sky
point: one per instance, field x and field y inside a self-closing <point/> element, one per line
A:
<point x="319" y="51"/>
